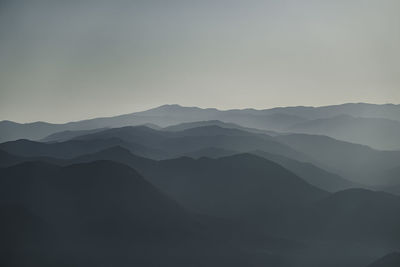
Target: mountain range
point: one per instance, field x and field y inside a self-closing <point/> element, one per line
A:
<point x="185" y="186"/>
<point x="373" y="125"/>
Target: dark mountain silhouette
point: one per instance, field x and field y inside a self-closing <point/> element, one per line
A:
<point x="389" y="260"/>
<point x="105" y="213"/>
<point x="378" y="133"/>
<point x="236" y="186"/>
<point x="310" y="173"/>
<point x="353" y="215"/>
<point x="22" y="183"/>
<point x="255" y="190"/>
<point x="7" y="159"/>
<point x="393" y="189"/>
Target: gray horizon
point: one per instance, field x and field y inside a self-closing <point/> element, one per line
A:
<point x="69" y="61"/>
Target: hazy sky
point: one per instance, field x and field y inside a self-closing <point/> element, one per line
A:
<point x="70" y="60"/>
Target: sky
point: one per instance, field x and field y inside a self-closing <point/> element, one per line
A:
<point x="71" y="60"/>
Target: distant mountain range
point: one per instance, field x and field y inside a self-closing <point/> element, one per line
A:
<point x="373" y="125"/>
<point x="358" y="164"/>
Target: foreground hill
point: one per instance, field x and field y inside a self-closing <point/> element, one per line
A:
<point x="348" y="228"/>
<point x="353" y="215"/>
<point x="105" y="213"/>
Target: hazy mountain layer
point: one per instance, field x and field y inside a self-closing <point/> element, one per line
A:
<point x="276" y="119"/>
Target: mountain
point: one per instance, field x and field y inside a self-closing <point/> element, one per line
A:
<point x="235" y="186"/>
<point x="310" y="173"/>
<point x="391" y="177"/>
<point x="307" y="171"/>
<point x="151" y="143"/>
<point x="22" y="183"/>
<point x="88" y="203"/>
<point x="193" y="139"/>
<point x="7" y="159"/>
<point x="378" y="133"/>
<point x="210" y="152"/>
<point x="240" y="186"/>
<point x="105" y="213"/>
<point x="66" y="135"/>
<point x="365" y="110"/>
<point x="71" y="148"/>
<point x="196" y="124"/>
<point x="357" y="163"/>
<point x="353" y="215"/>
<point x="255" y="190"/>
<point x="275" y="119"/>
<point x="389" y="260"/>
<point x="12" y="131"/>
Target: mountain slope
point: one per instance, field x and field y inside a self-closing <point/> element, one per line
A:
<point x="66" y="135"/>
<point x="71" y="148"/>
<point x="192" y="139"/>
<point x="310" y="173"/>
<point x="105" y="213"/>
<point x="269" y="119"/>
<point x="357" y="163"/>
<point x="353" y="215"/>
<point x="378" y="133"/>
<point x="365" y="110"/>
<point x="88" y="202"/>
<point x="236" y="186"/>
<point x="189" y="125"/>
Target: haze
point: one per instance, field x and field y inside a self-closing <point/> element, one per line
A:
<point x="69" y="60"/>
